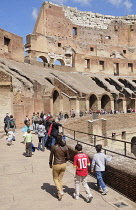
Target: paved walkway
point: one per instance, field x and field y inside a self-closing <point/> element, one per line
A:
<point x="26" y="183"/>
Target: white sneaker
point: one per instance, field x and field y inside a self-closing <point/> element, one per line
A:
<point x="75" y="196"/>
<point x="89" y="199"/>
<point x="105" y="192"/>
<point x="99" y="188"/>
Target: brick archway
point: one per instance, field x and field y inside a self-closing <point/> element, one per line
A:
<point x="93" y="103"/>
<point x="56" y="103"/>
<point x="43" y="58"/>
<point x="106" y="103"/>
<point x="59" y="61"/>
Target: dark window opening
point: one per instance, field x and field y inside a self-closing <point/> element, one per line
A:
<point x="124" y="51"/>
<point x="59" y="44"/>
<point x="101" y="63"/>
<point x="116" y="69"/>
<point x="124" y="135"/>
<point x="116" y="28"/>
<point x="6" y="44"/>
<point x="6" y="41"/>
<point x="131" y="27"/>
<point x="91" y="49"/>
<point x="74" y="31"/>
<point x="130" y="66"/>
<point x="87" y="63"/>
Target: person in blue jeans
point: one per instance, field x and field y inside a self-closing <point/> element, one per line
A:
<point x="98" y="162"/>
<point x="41" y="135"/>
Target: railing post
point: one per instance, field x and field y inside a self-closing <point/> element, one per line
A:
<point x="63" y="130"/>
<point x="125" y="149"/>
<point x="74" y="135"/>
<point x="94" y="140"/>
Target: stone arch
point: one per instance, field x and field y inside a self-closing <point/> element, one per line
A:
<point x="56" y="102"/>
<point x="130" y="103"/>
<point x="43" y="58"/>
<point x="93" y="102"/>
<point x="120" y="104"/>
<point x="59" y="61"/>
<point x="133" y="145"/>
<point x="106" y="103"/>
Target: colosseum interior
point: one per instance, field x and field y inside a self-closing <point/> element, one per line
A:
<point x="97" y="67"/>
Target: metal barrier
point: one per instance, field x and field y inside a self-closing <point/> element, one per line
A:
<point x="94" y="137"/>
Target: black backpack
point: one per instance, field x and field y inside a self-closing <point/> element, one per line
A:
<point x="11" y="123"/>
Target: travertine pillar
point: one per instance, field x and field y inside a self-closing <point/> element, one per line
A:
<point x="77" y="107"/>
<point x="87" y="105"/>
<point x="124" y="105"/>
<point x="112" y="105"/>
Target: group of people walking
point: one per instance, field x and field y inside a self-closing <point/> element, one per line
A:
<point x="57" y="161"/>
<point x="45" y="127"/>
<point x="9" y="128"/>
<point x="49" y="136"/>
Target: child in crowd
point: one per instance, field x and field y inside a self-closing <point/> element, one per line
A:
<point x="81" y="162"/>
<point x="11" y="136"/>
<point x="98" y="162"/>
<point x="24" y="130"/>
<point x="28" y="143"/>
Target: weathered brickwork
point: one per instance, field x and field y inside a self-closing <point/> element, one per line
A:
<point x="89" y="42"/>
<point x="11" y="46"/>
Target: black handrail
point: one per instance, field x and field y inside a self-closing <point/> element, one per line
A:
<point x="94" y="144"/>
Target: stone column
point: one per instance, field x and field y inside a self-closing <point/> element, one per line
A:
<point x="51" y="106"/>
<point x="90" y="131"/>
<point x="124" y="105"/>
<point x="61" y="104"/>
<point x="112" y="105"/>
<point x="77" y="107"/>
<point x="104" y="131"/>
<point x="87" y="105"/>
<point x="99" y="103"/>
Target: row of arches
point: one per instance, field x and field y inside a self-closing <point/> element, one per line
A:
<point x="96" y="103"/>
<point x="57" y="61"/>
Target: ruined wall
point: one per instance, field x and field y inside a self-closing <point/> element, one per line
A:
<point x="88" y="41"/>
<point x="6" y="99"/>
<point x="11" y="46"/>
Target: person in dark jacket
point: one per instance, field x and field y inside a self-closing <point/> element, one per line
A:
<point x="54" y="132"/>
<point x="6" y="120"/>
<point x="11" y="123"/>
<point x="58" y="156"/>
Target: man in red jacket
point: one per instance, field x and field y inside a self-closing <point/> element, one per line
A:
<point x="81" y="162"/>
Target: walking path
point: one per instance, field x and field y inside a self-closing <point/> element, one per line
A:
<point x="26" y="183"/>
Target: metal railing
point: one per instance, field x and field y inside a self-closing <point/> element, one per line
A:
<point x="94" y="140"/>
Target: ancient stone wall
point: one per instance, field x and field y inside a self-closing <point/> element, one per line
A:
<point x="11" y="46"/>
<point x="88" y="41"/>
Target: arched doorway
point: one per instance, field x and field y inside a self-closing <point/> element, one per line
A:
<point x="42" y="59"/>
<point x="93" y="103"/>
<point x="59" y="62"/>
<point x="130" y="103"/>
<point x="106" y="103"/>
<point x="56" y="103"/>
<point x="133" y="147"/>
<point x="120" y="105"/>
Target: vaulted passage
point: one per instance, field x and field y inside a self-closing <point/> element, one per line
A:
<point x="59" y="62"/>
<point x="133" y="147"/>
<point x="56" y="103"/>
<point x="93" y="103"/>
<point x="42" y="59"/>
<point x="106" y="103"/>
